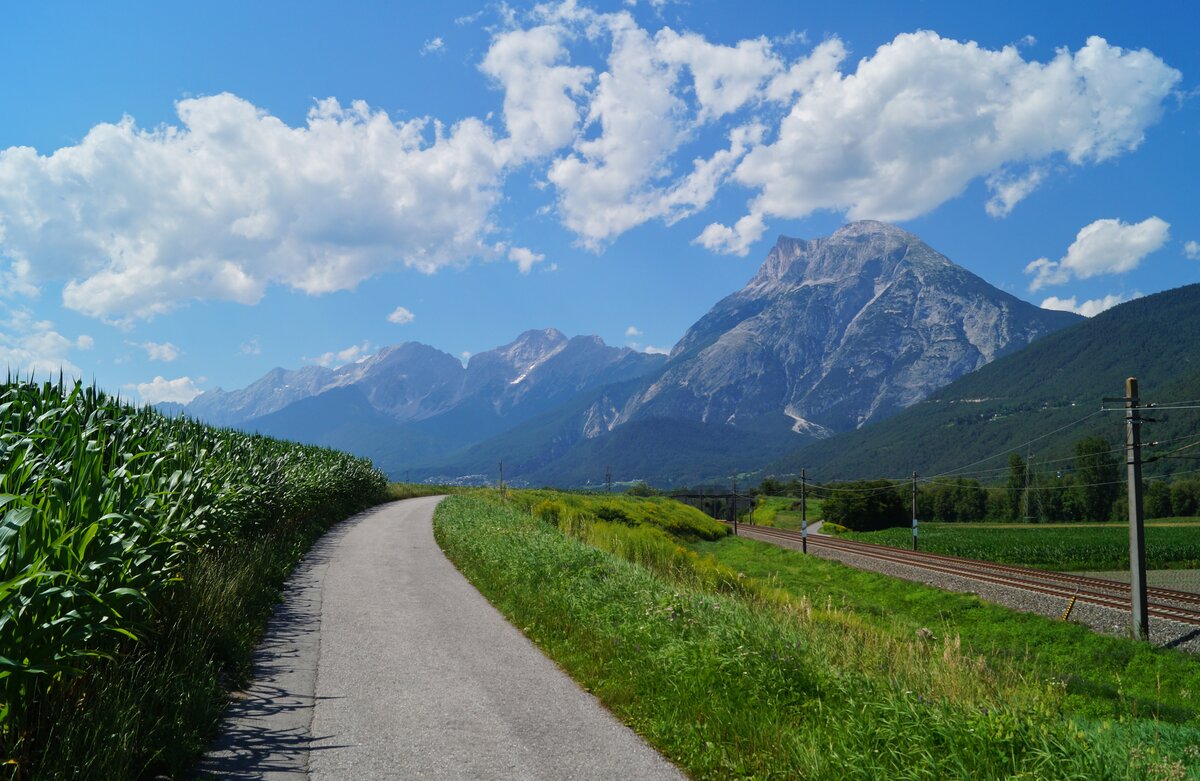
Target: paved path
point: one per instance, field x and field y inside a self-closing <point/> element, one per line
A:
<point x="384" y="662"/>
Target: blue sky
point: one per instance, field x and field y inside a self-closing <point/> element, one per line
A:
<point x="189" y="197"/>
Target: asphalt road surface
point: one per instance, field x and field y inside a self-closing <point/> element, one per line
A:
<point x="383" y="662"/>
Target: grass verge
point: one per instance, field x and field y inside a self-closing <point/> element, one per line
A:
<point x="732" y="677"/>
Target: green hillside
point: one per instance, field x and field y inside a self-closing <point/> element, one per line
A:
<point x="1056" y="382"/>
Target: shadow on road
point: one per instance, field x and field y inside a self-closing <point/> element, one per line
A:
<point x="265" y="731"/>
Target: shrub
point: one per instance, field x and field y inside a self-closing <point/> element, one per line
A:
<point x="864" y="505"/>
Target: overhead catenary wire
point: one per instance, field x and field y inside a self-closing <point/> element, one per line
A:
<point x="1014" y="448"/>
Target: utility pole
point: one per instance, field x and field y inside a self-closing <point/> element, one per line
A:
<point x="914" y="503"/>
<point x="803" y="512"/>
<point x="1137" y="530"/>
<point x="733" y="504"/>
<point x="502" y="479"/>
<point x="607" y="480"/>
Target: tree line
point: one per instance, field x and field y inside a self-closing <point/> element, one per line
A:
<point x="1092" y="487"/>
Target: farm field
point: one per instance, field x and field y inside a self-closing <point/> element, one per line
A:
<point x="139" y="557"/>
<point x="1067" y="547"/>
<point x="782" y="512"/>
<point x="764" y="649"/>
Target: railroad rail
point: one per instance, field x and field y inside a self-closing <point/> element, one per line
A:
<point x="1167" y="604"/>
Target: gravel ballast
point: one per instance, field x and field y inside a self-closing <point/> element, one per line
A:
<point x="1101" y="619"/>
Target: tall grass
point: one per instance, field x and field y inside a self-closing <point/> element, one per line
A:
<point x="106" y="511"/>
<point x="735" y="678"/>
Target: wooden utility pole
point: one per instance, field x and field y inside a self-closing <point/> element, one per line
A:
<point x="1137" y="530"/>
<point x="914" y="504"/>
<point x="803" y="513"/>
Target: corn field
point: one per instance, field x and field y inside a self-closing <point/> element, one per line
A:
<point x="102" y="505"/>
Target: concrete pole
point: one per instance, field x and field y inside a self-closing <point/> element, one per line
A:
<point x="803" y="513"/>
<point x="914" y="505"/>
<point x="1137" y="529"/>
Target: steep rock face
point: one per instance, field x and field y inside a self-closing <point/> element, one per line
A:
<point x="836" y="332"/>
<point x="407" y="382"/>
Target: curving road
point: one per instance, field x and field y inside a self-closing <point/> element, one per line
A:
<point x="384" y="662"/>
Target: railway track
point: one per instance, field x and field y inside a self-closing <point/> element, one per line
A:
<point x="1179" y="606"/>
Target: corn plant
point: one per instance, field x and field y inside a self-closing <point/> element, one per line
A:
<point x="101" y="505"/>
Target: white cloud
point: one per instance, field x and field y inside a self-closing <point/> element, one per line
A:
<point x="621" y="124"/>
<point x="251" y="347"/>
<point x="1191" y="250"/>
<point x="433" y="45"/>
<point x="233" y="200"/>
<point x="334" y="359"/>
<point x="32" y="346"/>
<point x="1103" y="247"/>
<point x="156" y="351"/>
<point x="1008" y="191"/>
<point x="539" y="110"/>
<point x="920" y="119"/>
<point x="525" y="258"/>
<point x="400" y="316"/>
<point x="724" y="78"/>
<point x="180" y="390"/>
<point x="631" y="335"/>
<point x="735" y="240"/>
<point x="1089" y="308"/>
<point x="656" y="91"/>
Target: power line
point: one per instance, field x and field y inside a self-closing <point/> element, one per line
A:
<point x="1013" y="448"/>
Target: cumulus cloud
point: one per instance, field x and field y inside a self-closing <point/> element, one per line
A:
<point x="400" y="316"/>
<point x="1089" y="308"/>
<point x="1103" y="247"/>
<point x="1008" y="191"/>
<point x="735" y="240"/>
<point x="233" y="200"/>
<point x="1191" y="250"/>
<point x="525" y="258"/>
<point x="652" y="350"/>
<point x="32" y="346"/>
<point x="619" y="123"/>
<point x="180" y="390"/>
<point x="656" y="92"/>
<point x="252" y="347"/>
<point x="159" y="351"/>
<point x="923" y="116"/>
<point x="336" y="358"/>
<point x="632" y="332"/>
<point x="433" y="45"/>
<point x="539" y="110"/>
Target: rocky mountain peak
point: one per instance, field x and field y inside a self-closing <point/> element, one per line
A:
<point x="867" y="249"/>
<point x="837" y="331"/>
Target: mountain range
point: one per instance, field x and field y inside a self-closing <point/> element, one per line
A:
<point x="831" y="335"/>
